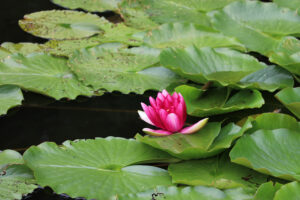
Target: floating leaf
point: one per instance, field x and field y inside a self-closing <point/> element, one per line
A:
<point x="10" y="96"/>
<point x="216" y="172"/>
<point x="9" y="157"/>
<point x="290" y="97"/>
<point x="16" y="182"/>
<point x="267" y="191"/>
<point x="89" y="5"/>
<point x="63" y="24"/>
<point x="207" y="142"/>
<point x="189" y="193"/>
<point x="4" y="53"/>
<point x="42" y="73"/>
<point x="97" y="169"/>
<point x="119" y="69"/>
<point x="270" y="152"/>
<point x="225" y="66"/>
<point x="290" y="191"/>
<point x="292" y="4"/>
<point x="144" y="14"/>
<point x="23" y="48"/>
<point x="185" y="34"/>
<point x="218" y="100"/>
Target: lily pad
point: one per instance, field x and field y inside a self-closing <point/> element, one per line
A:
<point x="225" y="66"/>
<point x="97" y="169"/>
<point x="209" y="141"/>
<point x="292" y="4"/>
<point x="290" y="98"/>
<point x="189" y="193"/>
<point x="218" y="100"/>
<point x="23" y="48"/>
<point x="10" y="96"/>
<point x="267" y="191"/>
<point x="216" y="172"/>
<point x="8" y="157"/>
<point x="4" y="53"/>
<point x="185" y="34"/>
<point x="270" y="152"/>
<point x="144" y="14"/>
<point x="89" y="5"/>
<point x="16" y="181"/>
<point x="63" y="24"/>
<point x="114" y="68"/>
<point x="42" y="73"/>
<point x="289" y="191"/>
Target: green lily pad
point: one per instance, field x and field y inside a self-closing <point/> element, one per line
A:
<point x="225" y="66"/>
<point x="216" y="172"/>
<point x="145" y="14"/>
<point x="267" y="191"/>
<point x="97" y="169"/>
<point x="290" y="98"/>
<point x="290" y="191"/>
<point x="114" y="68"/>
<point x="292" y="4"/>
<point x="218" y="100"/>
<point x="272" y="121"/>
<point x="189" y="193"/>
<point x="23" y="47"/>
<point x="207" y="142"/>
<point x="4" y="53"/>
<point x="270" y="152"/>
<point x="63" y="24"/>
<point x="42" y="73"/>
<point x="8" y="157"/>
<point x="185" y="34"/>
<point x="10" y="96"/>
<point x="15" y="182"/>
<point x="89" y="5"/>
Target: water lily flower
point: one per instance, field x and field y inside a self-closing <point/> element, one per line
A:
<point x="168" y="112"/>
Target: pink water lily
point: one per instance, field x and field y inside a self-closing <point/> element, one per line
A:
<point x="168" y="112"/>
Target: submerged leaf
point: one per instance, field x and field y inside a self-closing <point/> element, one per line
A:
<point x="10" y="96"/>
<point x="44" y="74"/>
<point x="97" y="169"/>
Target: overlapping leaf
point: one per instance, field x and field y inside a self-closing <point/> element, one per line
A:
<point x="4" y="53"/>
<point x="289" y="191"/>
<point x="16" y="182"/>
<point x="120" y="69"/>
<point x="23" y="47"/>
<point x="190" y="193"/>
<point x="97" y="169"/>
<point x="8" y="157"/>
<point x="145" y="14"/>
<point x="89" y="5"/>
<point x="10" y="96"/>
<point x="186" y="34"/>
<point x="63" y="24"/>
<point x="292" y="4"/>
<point x="207" y="142"/>
<point x="216" y="172"/>
<point x="42" y="73"/>
<point x="290" y="97"/>
<point x="267" y="191"/>
<point x="218" y="100"/>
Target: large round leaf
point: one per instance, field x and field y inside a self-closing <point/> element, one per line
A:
<point x="190" y="193"/>
<point x="10" y="96"/>
<point x="223" y="65"/>
<point x="216" y="172"/>
<point x="290" y="97"/>
<point x="290" y="191"/>
<point x="186" y="34"/>
<point x="63" y="24"/>
<point x="16" y="182"/>
<point x="267" y="191"/>
<point x="271" y="152"/>
<point x="218" y="100"/>
<point x="207" y="142"/>
<point x="89" y="5"/>
<point x="117" y="69"/>
<point x="42" y="73"/>
<point x="97" y="169"/>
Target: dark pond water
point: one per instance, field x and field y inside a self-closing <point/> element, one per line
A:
<point x="44" y="119"/>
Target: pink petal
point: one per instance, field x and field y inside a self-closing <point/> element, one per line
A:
<point x="173" y="123"/>
<point x="160" y="96"/>
<point x="165" y="93"/>
<point x="154" y="117"/>
<point x="180" y="113"/>
<point x="145" y="108"/>
<point x="175" y="96"/>
<point x="163" y="116"/>
<point x="156" y="132"/>
<point x="195" y="127"/>
<point x="144" y="117"/>
<point x="152" y="102"/>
